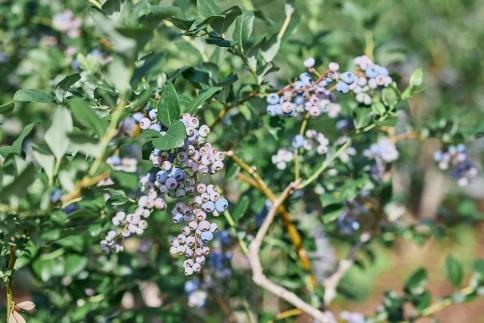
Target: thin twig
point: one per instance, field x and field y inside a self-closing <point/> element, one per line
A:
<point x="289" y="313"/>
<point x="111" y="131"/>
<point x="297" y="158"/>
<point x="440" y="305"/>
<point x="327" y="162"/>
<point x="289" y="226"/>
<point x="331" y="283"/>
<point x="84" y="183"/>
<point x="92" y="179"/>
<point x="226" y="108"/>
<point x="12" y="258"/>
<point x="258" y="275"/>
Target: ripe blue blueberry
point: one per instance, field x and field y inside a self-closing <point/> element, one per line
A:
<point x="208" y="206"/>
<point x="348" y="77"/>
<point x="273" y="98"/>
<point x="177" y="174"/>
<point x="55" y="196"/>
<point x="382" y="70"/>
<point x="206" y="236"/>
<point x="342" y="87"/>
<point x="221" y="205"/>
<point x="371" y="72"/>
<point x="161" y="176"/>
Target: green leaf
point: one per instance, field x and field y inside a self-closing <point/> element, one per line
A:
<point x="18" y="187"/>
<point x="45" y="160"/>
<point x="361" y="118"/>
<point x="33" y="95"/>
<point x="74" y="264"/>
<point x="378" y="108"/>
<point x="151" y="65"/>
<point x="244" y="25"/>
<point x="125" y="179"/>
<point x="417" y="78"/>
<point x="82" y="142"/>
<point x="241" y="207"/>
<point x="49" y="265"/>
<point x="216" y="39"/>
<point x="389" y="97"/>
<point x="63" y="86"/>
<point x="86" y="116"/>
<point x="168" y="106"/>
<point x="454" y="271"/>
<point x="415" y="86"/>
<point x="222" y="22"/>
<point x="6" y="108"/>
<point x="207" y="8"/>
<point x="174" y="137"/>
<point x="197" y="103"/>
<point x="17" y="144"/>
<point x="271" y="48"/>
<point x="119" y="74"/>
<point x="415" y="284"/>
<point x="56" y="136"/>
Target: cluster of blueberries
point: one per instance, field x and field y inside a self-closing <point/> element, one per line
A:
<point x="67" y="23"/>
<point x="312" y="141"/>
<point x="349" y="220"/>
<point x="314" y="94"/>
<point x="196" y="292"/>
<point x="218" y="264"/>
<point x="125" y="164"/>
<point x="175" y="175"/>
<point x="382" y="152"/>
<point x="463" y="170"/>
<point x="220" y="256"/>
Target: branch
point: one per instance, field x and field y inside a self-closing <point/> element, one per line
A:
<point x="440" y="304"/>
<point x="331" y="283"/>
<point x="327" y="162"/>
<point x="83" y="183"/>
<point x="10" y="266"/>
<point x="111" y="131"/>
<point x="226" y="108"/>
<point x="291" y="229"/>
<point x="297" y="158"/>
<point x="257" y="272"/>
<point x="91" y="180"/>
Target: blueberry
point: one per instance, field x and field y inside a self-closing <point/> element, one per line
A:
<point x="177" y="174"/>
<point x="382" y="70"/>
<point x="221" y="205"/>
<point x="161" y="176"/>
<point x="55" y="196"/>
<point x="206" y="236"/>
<point x="71" y="208"/>
<point x="342" y="87"/>
<point x="209" y="206"/>
<point x="371" y="72"/>
<point x="273" y="98"/>
<point x="348" y="77"/>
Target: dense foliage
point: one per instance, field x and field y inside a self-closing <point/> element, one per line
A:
<point x="178" y="161"/>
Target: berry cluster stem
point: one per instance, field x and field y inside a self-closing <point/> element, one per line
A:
<point x="297" y="160"/>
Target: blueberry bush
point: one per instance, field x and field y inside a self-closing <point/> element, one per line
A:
<point x="238" y="161"/>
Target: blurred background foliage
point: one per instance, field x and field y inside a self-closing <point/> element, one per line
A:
<point x="71" y="281"/>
